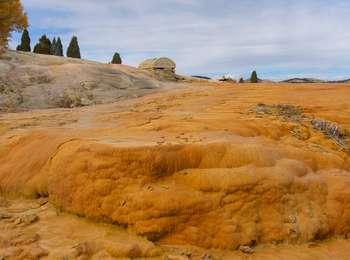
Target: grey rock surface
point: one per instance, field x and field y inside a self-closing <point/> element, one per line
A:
<point x="34" y="81"/>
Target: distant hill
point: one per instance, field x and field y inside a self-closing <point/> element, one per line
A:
<point x="313" y="80"/>
<point x="200" y="77"/>
<point x="303" y="80"/>
<point x="340" y="81"/>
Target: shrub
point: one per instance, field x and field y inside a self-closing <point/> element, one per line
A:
<point x="116" y="59"/>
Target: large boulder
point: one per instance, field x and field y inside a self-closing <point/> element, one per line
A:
<point x="160" y="68"/>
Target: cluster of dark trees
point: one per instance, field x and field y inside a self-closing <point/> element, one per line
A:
<point x="45" y="46"/>
<point x="48" y="47"/>
<point x="55" y="47"/>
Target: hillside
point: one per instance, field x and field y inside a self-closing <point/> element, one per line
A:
<point x="34" y="81"/>
<point x="196" y="172"/>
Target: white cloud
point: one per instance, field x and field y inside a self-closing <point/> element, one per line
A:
<point x="206" y="37"/>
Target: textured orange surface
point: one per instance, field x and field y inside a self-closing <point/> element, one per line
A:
<point x="191" y="166"/>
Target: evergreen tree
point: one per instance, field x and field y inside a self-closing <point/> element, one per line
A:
<point x="44" y="46"/>
<point x="73" y="50"/>
<point x="116" y="59"/>
<point x="59" y="48"/>
<point x="241" y="80"/>
<point x="53" y="46"/>
<point x="25" y="42"/>
<point x="36" y="48"/>
<point x="254" y="77"/>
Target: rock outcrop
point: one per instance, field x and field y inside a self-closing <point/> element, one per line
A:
<point x="161" y="68"/>
<point x="34" y="81"/>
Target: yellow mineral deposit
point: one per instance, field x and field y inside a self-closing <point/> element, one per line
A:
<point x="203" y="170"/>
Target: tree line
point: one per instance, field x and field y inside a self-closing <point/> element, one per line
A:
<point x="47" y="47"/>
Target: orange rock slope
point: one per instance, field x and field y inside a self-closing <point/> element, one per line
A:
<point x="198" y="165"/>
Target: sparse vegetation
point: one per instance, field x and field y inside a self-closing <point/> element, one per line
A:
<point x="287" y="112"/>
<point x="73" y="50"/>
<point x="116" y="59"/>
<point x="70" y="100"/>
<point x="333" y="131"/>
<point x="227" y="78"/>
<point x="295" y="114"/>
<point x="25" y="42"/>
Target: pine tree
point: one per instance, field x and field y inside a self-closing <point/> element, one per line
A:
<point x="116" y="59"/>
<point x="73" y="50"/>
<point x="254" y="77"/>
<point x="36" y="48"/>
<point x="25" y="42"/>
<point x="59" y="48"/>
<point x="44" y="46"/>
<point x="53" y="46"/>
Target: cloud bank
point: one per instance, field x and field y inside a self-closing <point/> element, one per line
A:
<point x="280" y="39"/>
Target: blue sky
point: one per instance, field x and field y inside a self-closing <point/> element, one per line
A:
<point x="278" y="38"/>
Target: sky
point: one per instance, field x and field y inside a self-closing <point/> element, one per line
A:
<point x="278" y="38"/>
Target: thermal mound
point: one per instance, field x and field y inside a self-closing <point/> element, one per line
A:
<point x="200" y="166"/>
<point x="34" y="81"/>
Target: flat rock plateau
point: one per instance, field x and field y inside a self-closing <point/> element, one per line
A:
<point x="151" y="170"/>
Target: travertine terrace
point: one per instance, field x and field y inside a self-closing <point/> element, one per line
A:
<point x="194" y="169"/>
